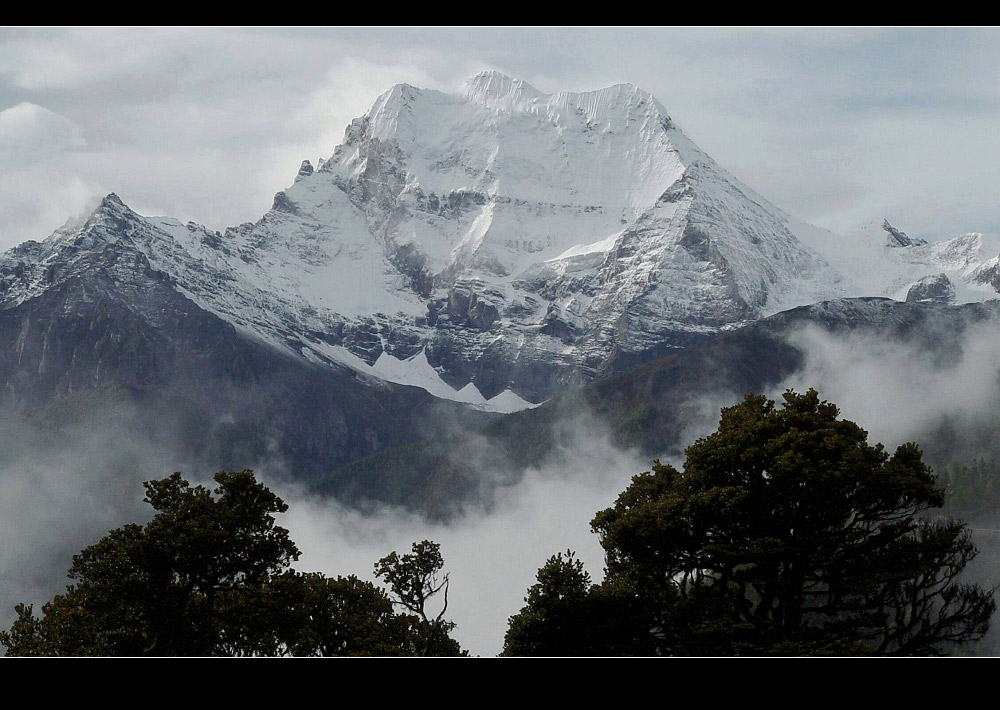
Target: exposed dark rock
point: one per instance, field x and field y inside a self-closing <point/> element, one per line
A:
<point x="651" y="408"/>
<point x="897" y="238"/>
<point x="412" y="263"/>
<point x="989" y="275"/>
<point x="118" y="323"/>
<point x="935" y="289"/>
<point x="282" y="203"/>
<point x="482" y="314"/>
<point x="560" y="324"/>
<point x="305" y="170"/>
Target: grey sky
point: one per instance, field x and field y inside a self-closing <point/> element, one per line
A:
<point x="837" y="126"/>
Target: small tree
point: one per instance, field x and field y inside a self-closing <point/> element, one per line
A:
<point x="786" y="532"/>
<point x="566" y="615"/>
<point x="554" y="621"/>
<point x="414" y="579"/>
<point x="314" y="615"/>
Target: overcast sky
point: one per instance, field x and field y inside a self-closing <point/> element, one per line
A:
<point x="837" y="126"/>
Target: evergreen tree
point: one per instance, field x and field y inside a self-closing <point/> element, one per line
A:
<point x="210" y="575"/>
<point x="566" y="615"/>
<point x="786" y="532"/>
<point x="414" y="579"/>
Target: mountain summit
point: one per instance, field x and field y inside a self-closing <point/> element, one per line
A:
<point x="503" y="238"/>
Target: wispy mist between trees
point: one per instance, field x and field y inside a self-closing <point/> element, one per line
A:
<point x="60" y="492"/>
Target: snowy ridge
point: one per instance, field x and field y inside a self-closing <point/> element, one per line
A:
<point x="877" y="264"/>
<point x="499" y="244"/>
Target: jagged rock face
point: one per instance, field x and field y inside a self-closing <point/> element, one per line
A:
<point x="936" y="289"/>
<point x="897" y="238"/>
<point x="561" y="229"/>
<point x="883" y="261"/>
<point x="988" y="273"/>
<point x="521" y="240"/>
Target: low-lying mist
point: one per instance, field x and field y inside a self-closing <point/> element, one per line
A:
<point x="901" y="390"/>
<point x="61" y="493"/>
<point x="492" y="557"/>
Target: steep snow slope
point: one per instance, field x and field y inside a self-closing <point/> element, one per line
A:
<point x="518" y="237"/>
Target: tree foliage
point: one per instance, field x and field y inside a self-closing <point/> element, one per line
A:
<point x="210" y="575"/>
<point x="566" y="615"/>
<point x="785" y="532"/>
<point x="414" y="579"/>
<point x="972" y="488"/>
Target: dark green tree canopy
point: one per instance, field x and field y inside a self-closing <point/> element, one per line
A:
<point x="787" y="532"/>
<point x="210" y="575"/>
<point x="566" y="615"/>
<point x="164" y="588"/>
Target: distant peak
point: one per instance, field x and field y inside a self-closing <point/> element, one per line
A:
<point x="100" y="223"/>
<point x="111" y="205"/>
<point x="491" y="77"/>
<point x="111" y="208"/>
<point x="497" y="90"/>
<point x="112" y="200"/>
<point x="404" y="91"/>
<point x="628" y="89"/>
<point x="897" y="238"/>
<point x="619" y="95"/>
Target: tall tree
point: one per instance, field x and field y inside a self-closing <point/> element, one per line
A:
<point x="787" y="532"/>
<point x="162" y="588"/>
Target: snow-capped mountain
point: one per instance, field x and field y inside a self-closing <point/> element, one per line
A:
<point x="881" y="260"/>
<point x="502" y="242"/>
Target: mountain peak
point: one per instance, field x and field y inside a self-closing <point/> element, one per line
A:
<point x="496" y="90"/>
<point x="110" y="217"/>
<point x="112" y="207"/>
<point x="112" y="201"/>
<point x="897" y="238"/>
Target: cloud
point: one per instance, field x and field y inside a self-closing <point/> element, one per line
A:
<point x="56" y="496"/>
<point x="36" y="147"/>
<point x="77" y="58"/>
<point x="897" y="390"/>
<point x="493" y="556"/>
<point x="901" y="390"/>
<point x="60" y="493"/>
<point x="29" y="131"/>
